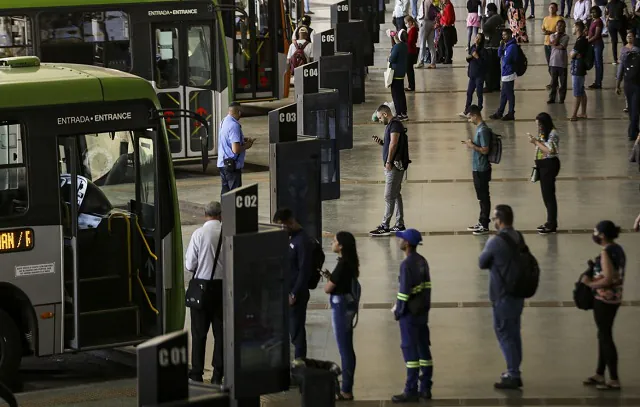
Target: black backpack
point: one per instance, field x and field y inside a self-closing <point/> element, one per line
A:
<point x="402" y="152"/>
<point x="582" y="295"/>
<point x="525" y="284"/>
<point x="495" y="148"/>
<point x="521" y="62"/>
<point x="317" y="261"/>
<point x="589" y="58"/>
<point x="632" y="67"/>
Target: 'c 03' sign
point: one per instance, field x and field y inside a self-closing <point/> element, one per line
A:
<point x="287" y="117"/>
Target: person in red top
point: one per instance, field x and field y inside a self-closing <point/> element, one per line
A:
<point x="412" y="51"/>
<point x="448" y="21"/>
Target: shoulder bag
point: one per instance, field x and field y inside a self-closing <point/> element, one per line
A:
<point x="196" y="292"/>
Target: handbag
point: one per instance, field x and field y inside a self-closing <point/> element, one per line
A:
<point x="535" y="175"/>
<point x="196" y="291"/>
<point x="388" y="76"/>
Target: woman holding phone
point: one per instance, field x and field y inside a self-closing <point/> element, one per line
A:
<point x="343" y="289"/>
<point x="548" y="167"/>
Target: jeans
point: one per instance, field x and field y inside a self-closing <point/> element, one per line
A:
<point x="562" y="3"/>
<point x="230" y="180"/>
<point x="426" y="38"/>
<point x="414" y="8"/>
<point x="507" y="313"/>
<point x="412" y="59"/>
<point x="492" y="75"/>
<point x="616" y="28"/>
<point x="548" y="170"/>
<point x="475" y="84"/>
<point x="471" y="34"/>
<point x="342" y="321"/>
<point x="481" y="184"/>
<point x="297" y="322"/>
<point x="547" y="53"/>
<point x="210" y="315"/>
<point x="604" y="315"/>
<point x="558" y="75"/>
<point x="507" y="94"/>
<point x="605" y="30"/>
<point x="598" y="62"/>
<point x="448" y="35"/>
<point x="307" y="6"/>
<point x="398" y="96"/>
<point x="632" y="93"/>
<point x="533" y="7"/>
<point x="393" y="197"/>
<point x="398" y="22"/>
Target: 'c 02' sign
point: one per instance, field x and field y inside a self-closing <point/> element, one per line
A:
<point x="247" y="201"/>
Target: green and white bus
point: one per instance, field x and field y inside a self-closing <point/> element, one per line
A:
<point x="90" y="238"/>
<point x="199" y="54"/>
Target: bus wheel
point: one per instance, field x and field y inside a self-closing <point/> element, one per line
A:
<point x="10" y="349"/>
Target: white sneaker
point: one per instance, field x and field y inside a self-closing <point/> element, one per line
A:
<point x="474" y="227"/>
<point x="481" y="231"/>
<point x="463" y="115"/>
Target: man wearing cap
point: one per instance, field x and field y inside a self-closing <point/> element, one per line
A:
<point x="232" y="147"/>
<point x="203" y="260"/>
<point x="412" y="311"/>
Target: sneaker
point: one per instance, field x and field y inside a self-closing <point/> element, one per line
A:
<point x="397" y="228"/>
<point x="541" y="227"/>
<point x="474" y="227"/>
<point x="405" y="398"/>
<point x="380" y="231"/>
<point x="463" y="115"/>
<point x="508" y="117"/>
<point x="508" y="383"/>
<point x="481" y="231"/>
<point x="531" y="17"/>
<point x="551" y="101"/>
<point x="420" y="65"/>
<point x="403" y="117"/>
<point x="626" y="110"/>
<point x="426" y="394"/>
<point x="496" y="116"/>
<point x="548" y="87"/>
<point x="546" y="230"/>
<point x="594" y="86"/>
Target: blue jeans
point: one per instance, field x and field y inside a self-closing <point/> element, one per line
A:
<point x="307" y="7"/>
<point x="342" y="321"/>
<point x="598" y="51"/>
<point x="475" y="84"/>
<point x="507" y="312"/>
<point x="507" y="94"/>
<point x="533" y="7"/>
<point x="230" y="180"/>
<point x="414" y="8"/>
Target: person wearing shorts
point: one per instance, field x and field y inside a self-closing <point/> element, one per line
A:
<point x="579" y="71"/>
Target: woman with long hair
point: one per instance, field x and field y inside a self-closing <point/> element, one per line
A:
<point x="518" y="20"/>
<point x="548" y="167"/>
<point x="606" y="283"/>
<point x="341" y="284"/>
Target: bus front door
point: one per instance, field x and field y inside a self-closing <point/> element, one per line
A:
<point x="184" y="79"/>
<point x="259" y="57"/>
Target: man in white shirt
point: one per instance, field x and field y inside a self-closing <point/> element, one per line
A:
<point x="303" y="42"/>
<point x="400" y="11"/>
<point x="202" y="258"/>
<point x="582" y="10"/>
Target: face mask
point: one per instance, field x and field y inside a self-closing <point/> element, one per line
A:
<point x="596" y="239"/>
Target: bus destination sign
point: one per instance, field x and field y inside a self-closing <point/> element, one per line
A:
<point x="17" y="240"/>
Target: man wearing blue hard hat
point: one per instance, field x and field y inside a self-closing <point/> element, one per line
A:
<point x="412" y="312"/>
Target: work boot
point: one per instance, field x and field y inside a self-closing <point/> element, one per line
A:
<point x="405" y="398"/>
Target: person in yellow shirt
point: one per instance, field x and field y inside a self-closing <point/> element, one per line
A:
<point x="549" y="24"/>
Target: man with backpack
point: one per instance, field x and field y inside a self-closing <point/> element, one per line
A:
<point x="395" y="156"/>
<point x="510" y="281"/>
<point x="629" y="71"/>
<point x="300" y="50"/>
<point x="480" y="146"/>
<point x="510" y="56"/>
<point x="301" y="270"/>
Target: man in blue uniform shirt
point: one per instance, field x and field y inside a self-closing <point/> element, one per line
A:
<point x="232" y="147"/>
<point x="412" y="311"/>
<point x="300" y="269"/>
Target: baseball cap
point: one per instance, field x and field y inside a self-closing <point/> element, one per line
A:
<point x="412" y="236"/>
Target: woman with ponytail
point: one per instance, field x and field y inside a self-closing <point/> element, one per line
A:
<point x="343" y="289"/>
